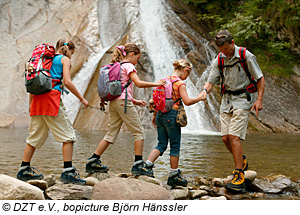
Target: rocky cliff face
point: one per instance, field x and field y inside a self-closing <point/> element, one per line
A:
<point x="25" y="24"/>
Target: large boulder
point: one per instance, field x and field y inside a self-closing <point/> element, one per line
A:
<point x="129" y="189"/>
<point x="14" y="189"/>
<point x="62" y="191"/>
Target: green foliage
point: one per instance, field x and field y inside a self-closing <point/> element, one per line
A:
<point x="254" y="24"/>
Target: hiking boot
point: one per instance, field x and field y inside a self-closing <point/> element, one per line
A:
<point x="71" y="175"/>
<point x="94" y="165"/>
<point x="177" y="180"/>
<point x="245" y="163"/>
<point x="237" y="184"/>
<point x="140" y="168"/>
<point x="27" y="173"/>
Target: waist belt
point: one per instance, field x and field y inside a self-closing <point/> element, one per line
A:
<point x="236" y="92"/>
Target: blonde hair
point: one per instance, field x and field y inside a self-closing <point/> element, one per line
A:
<point x="64" y="46"/>
<point x="118" y="55"/>
<point x="181" y="64"/>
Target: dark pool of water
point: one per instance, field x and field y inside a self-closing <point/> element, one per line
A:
<point x="201" y="155"/>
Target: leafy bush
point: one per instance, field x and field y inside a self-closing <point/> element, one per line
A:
<point x="254" y="24"/>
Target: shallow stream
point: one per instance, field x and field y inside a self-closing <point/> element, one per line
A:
<point x="201" y="154"/>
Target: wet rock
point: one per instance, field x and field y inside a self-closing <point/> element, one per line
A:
<point x="282" y="182"/>
<point x="218" y="182"/>
<point x="14" y="189"/>
<point x="129" y="189"/>
<point x="180" y="193"/>
<point x="39" y="183"/>
<point x="198" y="193"/>
<point x="260" y="185"/>
<point x="213" y="198"/>
<point x="102" y="176"/>
<point x="258" y="195"/>
<point x="50" y="179"/>
<point x="207" y="188"/>
<point x="150" y="180"/>
<point x="242" y="196"/>
<point x="62" y="191"/>
<point x="223" y="192"/>
<point x="91" y="181"/>
<point x="250" y="175"/>
<point x="201" y="181"/>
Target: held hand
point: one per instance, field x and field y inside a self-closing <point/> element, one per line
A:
<point x="140" y="103"/>
<point x="257" y="106"/>
<point x="154" y="122"/>
<point x="85" y="103"/>
<point x="160" y="82"/>
<point x="203" y="95"/>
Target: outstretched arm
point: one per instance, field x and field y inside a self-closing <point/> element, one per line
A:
<point x="186" y="99"/>
<point x="143" y="84"/>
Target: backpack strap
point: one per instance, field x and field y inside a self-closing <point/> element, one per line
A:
<point x="242" y="52"/>
<point x="221" y="69"/>
<point x="125" y="87"/>
<point x="173" y="81"/>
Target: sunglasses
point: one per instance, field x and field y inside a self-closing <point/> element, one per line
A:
<point x="221" y="36"/>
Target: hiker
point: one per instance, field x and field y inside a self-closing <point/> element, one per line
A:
<point x="128" y="55"/>
<point x="168" y="128"/>
<point x="238" y="98"/>
<point x="47" y="112"/>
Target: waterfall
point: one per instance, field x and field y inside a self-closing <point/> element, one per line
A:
<point x="163" y="50"/>
<point x="146" y="23"/>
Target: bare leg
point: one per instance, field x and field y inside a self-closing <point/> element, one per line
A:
<point x="237" y="151"/>
<point x="174" y="162"/>
<point x="102" y="147"/>
<point x="154" y="155"/>
<point x="67" y="151"/>
<point x="138" y="147"/>
<point x="227" y="142"/>
<point x="28" y="153"/>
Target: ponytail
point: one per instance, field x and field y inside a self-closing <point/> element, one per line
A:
<point x="64" y="46"/>
<point x="181" y="64"/>
<point x="121" y="51"/>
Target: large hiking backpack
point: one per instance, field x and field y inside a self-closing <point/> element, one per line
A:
<point x="251" y="88"/>
<point x="109" y="83"/>
<point x="162" y="95"/>
<point x="37" y="70"/>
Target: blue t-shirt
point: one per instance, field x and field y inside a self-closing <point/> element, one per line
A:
<point x="57" y="70"/>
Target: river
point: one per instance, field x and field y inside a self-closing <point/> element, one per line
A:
<point x="201" y="154"/>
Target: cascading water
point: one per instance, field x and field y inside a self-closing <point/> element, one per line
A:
<point x="146" y="23"/>
<point x="162" y="49"/>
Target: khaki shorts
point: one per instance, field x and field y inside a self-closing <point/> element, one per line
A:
<point x="117" y="117"/>
<point x="235" y="123"/>
<point x="60" y="127"/>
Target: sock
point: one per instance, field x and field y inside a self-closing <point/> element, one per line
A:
<point x="241" y="170"/>
<point x="96" y="156"/>
<point x="138" y="157"/>
<point x="149" y="163"/>
<point x="67" y="164"/>
<point x="173" y="172"/>
<point x="25" y="163"/>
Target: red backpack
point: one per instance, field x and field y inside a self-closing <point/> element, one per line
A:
<point x="252" y="87"/>
<point x="37" y="70"/>
<point x="162" y="95"/>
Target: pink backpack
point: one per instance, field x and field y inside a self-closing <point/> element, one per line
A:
<point x="162" y="95"/>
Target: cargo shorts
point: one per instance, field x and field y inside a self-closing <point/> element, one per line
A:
<point x="235" y="123"/>
<point x="60" y="127"/>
